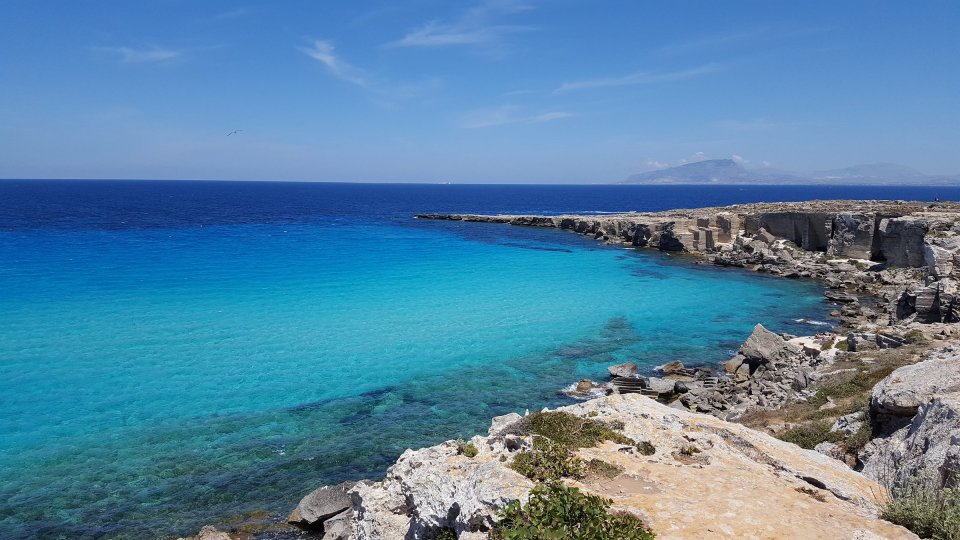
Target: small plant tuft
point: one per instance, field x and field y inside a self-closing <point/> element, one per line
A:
<point x="601" y="469"/>
<point x="689" y="450"/>
<point x="558" y="512"/>
<point x="467" y="449"/>
<point x="915" y="337"/>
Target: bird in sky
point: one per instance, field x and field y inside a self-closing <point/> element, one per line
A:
<point x="234" y="132"/>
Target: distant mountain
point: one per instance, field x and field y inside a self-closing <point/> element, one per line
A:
<point x="714" y="171"/>
<point x="728" y="171"/>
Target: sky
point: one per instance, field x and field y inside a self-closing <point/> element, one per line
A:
<point x="556" y="91"/>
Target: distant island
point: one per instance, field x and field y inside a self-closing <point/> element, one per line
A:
<point x="728" y="171"/>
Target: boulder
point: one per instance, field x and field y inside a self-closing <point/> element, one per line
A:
<point x="764" y="347"/>
<point x="675" y="367"/>
<point x="902" y="392"/>
<point x="626" y="369"/>
<point x="861" y="341"/>
<point x="339" y="527"/>
<point x="661" y="386"/>
<point x="320" y="505"/>
<point x="841" y="297"/>
<point x="764" y="236"/>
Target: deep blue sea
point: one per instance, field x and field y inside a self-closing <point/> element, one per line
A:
<point x="175" y="353"/>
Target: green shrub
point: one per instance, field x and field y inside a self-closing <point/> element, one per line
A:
<point x="570" y="430"/>
<point x="689" y="450"/>
<point x="558" y="512"/>
<point x="467" y="449"/>
<point x="548" y="462"/>
<point x="915" y="337"/>
<point x="928" y="511"/>
<point x="602" y="469"/>
<point x="809" y="435"/>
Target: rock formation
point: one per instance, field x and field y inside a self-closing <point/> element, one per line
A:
<point x="717" y="493"/>
<point x="916" y="409"/>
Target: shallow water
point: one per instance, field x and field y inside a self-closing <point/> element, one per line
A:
<point x="156" y="377"/>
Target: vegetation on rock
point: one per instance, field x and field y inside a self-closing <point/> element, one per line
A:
<point x="558" y="512"/>
<point x="928" y="511"/>
<point x="467" y="449"/>
<point x="548" y="462"/>
<point x="570" y="430"/>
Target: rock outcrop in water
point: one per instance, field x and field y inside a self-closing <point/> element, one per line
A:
<point x="706" y="479"/>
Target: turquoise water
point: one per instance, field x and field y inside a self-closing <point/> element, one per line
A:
<point x="155" y="379"/>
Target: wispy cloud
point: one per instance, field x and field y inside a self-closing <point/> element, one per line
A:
<point x="475" y="27"/>
<point x="508" y="114"/>
<point x="129" y="55"/>
<point x="323" y="51"/>
<point x="642" y="78"/>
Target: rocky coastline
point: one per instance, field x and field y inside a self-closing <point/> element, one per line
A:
<point x="885" y="386"/>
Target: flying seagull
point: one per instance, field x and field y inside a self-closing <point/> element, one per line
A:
<point x="234" y="132"/>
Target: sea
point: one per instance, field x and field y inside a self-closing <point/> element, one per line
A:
<point x="178" y="353"/>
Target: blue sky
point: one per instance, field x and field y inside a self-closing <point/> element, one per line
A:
<point x="482" y="91"/>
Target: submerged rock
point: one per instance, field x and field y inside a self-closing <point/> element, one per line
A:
<point x="208" y="532"/>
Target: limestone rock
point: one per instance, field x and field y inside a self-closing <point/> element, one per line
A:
<point x="902" y="392"/>
<point x="499" y="424"/>
<point x="926" y="448"/>
<point x="434" y="488"/>
<point x="661" y="386"/>
<point x="901" y="240"/>
<point x="764" y="236"/>
<point x="321" y="504"/>
<point x="763" y="347"/>
<point x="745" y="484"/>
<point x="942" y="256"/>
<point x="339" y="527"/>
<point x="674" y="367"/>
<point x="848" y="424"/>
<point x="861" y="341"/>
<point x="626" y="369"/>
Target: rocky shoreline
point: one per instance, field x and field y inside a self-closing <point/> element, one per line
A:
<point x="892" y="268"/>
